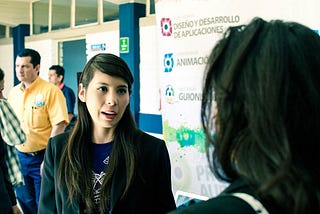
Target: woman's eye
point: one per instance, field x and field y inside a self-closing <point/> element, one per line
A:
<point x="122" y="91"/>
<point x="102" y="89"/>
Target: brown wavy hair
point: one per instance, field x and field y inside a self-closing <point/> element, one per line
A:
<point x="265" y="80"/>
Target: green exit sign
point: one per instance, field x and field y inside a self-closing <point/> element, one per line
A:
<point x="124" y="45"/>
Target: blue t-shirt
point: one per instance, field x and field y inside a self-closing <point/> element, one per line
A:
<point x="70" y="98"/>
<point x="100" y="154"/>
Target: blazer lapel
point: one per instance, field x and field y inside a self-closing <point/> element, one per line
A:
<point x="118" y="184"/>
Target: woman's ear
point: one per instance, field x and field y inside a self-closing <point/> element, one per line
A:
<point x="82" y="93"/>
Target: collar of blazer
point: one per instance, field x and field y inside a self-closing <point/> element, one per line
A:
<point x="118" y="184"/>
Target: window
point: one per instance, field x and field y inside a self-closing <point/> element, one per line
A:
<point x="152" y="7"/>
<point x="40" y="16"/>
<point x="110" y="11"/>
<point x="61" y="14"/>
<point x="86" y="12"/>
<point x="2" y="31"/>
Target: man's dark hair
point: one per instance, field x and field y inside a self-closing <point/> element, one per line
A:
<point x="35" y="56"/>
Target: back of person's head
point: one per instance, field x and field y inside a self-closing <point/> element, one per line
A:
<point x="59" y="71"/>
<point x="1" y="74"/>
<point x="265" y="79"/>
<point x="33" y="54"/>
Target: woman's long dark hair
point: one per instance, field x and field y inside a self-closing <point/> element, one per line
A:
<point x="265" y="79"/>
<point x="75" y="166"/>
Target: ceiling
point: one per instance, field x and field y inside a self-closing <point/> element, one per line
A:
<point x="14" y="12"/>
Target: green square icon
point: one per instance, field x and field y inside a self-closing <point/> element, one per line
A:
<point x="124" y="45"/>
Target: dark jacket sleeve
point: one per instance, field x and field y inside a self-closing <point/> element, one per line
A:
<point x="47" y="201"/>
<point x="53" y="197"/>
<point x="164" y="187"/>
<point x="155" y="171"/>
<point x="151" y="190"/>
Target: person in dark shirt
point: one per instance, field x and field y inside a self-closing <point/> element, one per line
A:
<point x="106" y="164"/>
<point x="56" y="76"/>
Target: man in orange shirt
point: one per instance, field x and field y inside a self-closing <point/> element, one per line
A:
<point x="41" y="108"/>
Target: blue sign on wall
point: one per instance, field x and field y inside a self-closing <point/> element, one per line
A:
<point x="98" y="47"/>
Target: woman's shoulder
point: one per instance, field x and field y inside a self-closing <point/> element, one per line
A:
<point x="148" y="137"/>
<point x="149" y="144"/>
<point x="221" y="204"/>
<point x="147" y="140"/>
<point x="59" y="141"/>
<point x="226" y="202"/>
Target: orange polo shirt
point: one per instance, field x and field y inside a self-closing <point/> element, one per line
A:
<point x="38" y="108"/>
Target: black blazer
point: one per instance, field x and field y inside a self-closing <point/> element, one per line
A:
<point x="151" y="191"/>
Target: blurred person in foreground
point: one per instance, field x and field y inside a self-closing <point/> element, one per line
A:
<point x="264" y="135"/>
<point x="106" y="164"/>
<point x="10" y="171"/>
<point x="56" y="76"/>
<point x="8" y="199"/>
<point x="13" y="134"/>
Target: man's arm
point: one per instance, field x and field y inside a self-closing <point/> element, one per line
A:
<point x="70" y="116"/>
<point x="58" y="128"/>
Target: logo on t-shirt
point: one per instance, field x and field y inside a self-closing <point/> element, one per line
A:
<point x="97" y="182"/>
<point x="39" y="101"/>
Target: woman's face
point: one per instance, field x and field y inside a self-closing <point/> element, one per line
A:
<point x="106" y="98"/>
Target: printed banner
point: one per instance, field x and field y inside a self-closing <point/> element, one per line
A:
<point x="187" y="32"/>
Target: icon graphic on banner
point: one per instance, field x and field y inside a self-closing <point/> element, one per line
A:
<point x="168" y="62"/>
<point x="169" y="93"/>
<point x="166" y="27"/>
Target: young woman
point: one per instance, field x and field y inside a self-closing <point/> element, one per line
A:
<point x="265" y="79"/>
<point x="106" y="164"/>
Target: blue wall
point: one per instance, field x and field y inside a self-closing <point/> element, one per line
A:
<point x="74" y="60"/>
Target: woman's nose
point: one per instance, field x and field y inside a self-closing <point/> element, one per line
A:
<point x="110" y="99"/>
